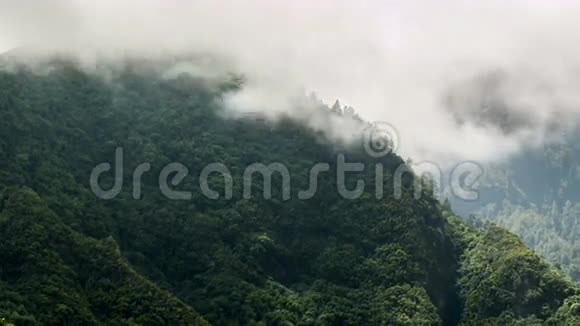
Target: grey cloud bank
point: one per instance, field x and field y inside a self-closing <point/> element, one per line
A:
<point x="421" y="66"/>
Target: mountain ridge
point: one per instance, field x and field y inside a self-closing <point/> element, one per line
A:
<point x="235" y="261"/>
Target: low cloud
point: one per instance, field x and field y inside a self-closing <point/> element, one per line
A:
<point x="459" y="80"/>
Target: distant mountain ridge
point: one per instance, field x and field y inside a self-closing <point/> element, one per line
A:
<point x="535" y="195"/>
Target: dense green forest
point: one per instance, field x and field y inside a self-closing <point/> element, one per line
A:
<point x="535" y="195"/>
<point x="554" y="232"/>
<point x="70" y="258"/>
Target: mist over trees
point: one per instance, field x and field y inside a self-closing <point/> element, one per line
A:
<point x="67" y="257"/>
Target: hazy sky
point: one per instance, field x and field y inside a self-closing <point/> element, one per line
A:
<point x="423" y="66"/>
<point x="5" y="44"/>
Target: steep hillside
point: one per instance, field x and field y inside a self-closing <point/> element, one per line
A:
<point x="535" y="195"/>
<point x="52" y="275"/>
<point x="67" y="256"/>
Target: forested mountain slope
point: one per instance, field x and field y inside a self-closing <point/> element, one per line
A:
<point x="535" y="195"/>
<point x="53" y="275"/>
<point x="68" y="257"/>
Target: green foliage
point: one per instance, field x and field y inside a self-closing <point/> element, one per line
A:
<point x="67" y="257"/>
<point x="535" y="195"/>
<point x="568" y="314"/>
<point x="3" y="322"/>
<point x="58" y="277"/>
<point x="499" y="274"/>
<point x="552" y="231"/>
